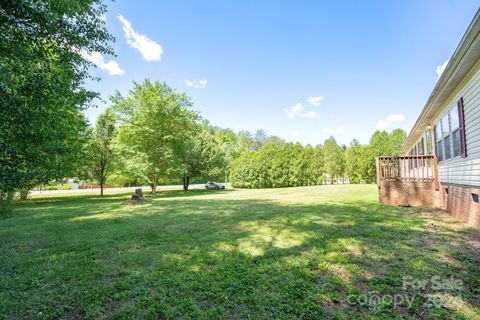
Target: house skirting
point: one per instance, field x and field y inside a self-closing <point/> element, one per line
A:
<point x="410" y="193"/>
<point x="459" y="200"/>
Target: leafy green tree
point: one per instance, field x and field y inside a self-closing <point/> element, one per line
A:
<point x="333" y="159"/>
<point x="258" y="140"/>
<point x="244" y="140"/>
<point x="202" y="155"/>
<point x="353" y="156"/>
<point x="242" y="173"/>
<point x="155" y="121"/>
<point x="100" y="148"/>
<point x="228" y="142"/>
<point x="275" y="167"/>
<point x="317" y="165"/>
<point x="263" y="165"/>
<point x="42" y="76"/>
<point x="381" y="144"/>
<point x="304" y="174"/>
<point x="396" y="139"/>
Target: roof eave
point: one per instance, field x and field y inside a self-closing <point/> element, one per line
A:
<point x="462" y="61"/>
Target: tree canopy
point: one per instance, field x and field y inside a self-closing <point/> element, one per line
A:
<point x="155" y="127"/>
<point x="42" y="76"/>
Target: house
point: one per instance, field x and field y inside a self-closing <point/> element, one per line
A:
<point x="440" y="166"/>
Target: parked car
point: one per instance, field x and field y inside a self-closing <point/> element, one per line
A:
<point x="210" y="185"/>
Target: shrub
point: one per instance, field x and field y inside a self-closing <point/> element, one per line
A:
<point x="51" y="188"/>
<point x="66" y="187"/>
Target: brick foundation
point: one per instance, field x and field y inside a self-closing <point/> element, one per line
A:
<point x="459" y="202"/>
<point x="410" y="193"/>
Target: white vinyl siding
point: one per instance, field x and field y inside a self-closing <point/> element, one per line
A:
<point x="465" y="171"/>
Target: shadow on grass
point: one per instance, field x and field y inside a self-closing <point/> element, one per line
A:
<point x="185" y="255"/>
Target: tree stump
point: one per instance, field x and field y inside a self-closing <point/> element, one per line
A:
<point x="137" y="197"/>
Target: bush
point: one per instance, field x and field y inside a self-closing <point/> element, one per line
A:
<point x="276" y="167"/>
<point x="66" y="187"/>
<point x="51" y="188"/>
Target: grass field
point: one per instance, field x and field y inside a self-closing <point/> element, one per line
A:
<point x="309" y="252"/>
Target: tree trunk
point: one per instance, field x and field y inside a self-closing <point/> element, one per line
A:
<point x="24" y="194"/>
<point x="101" y="186"/>
<point x="154" y="185"/>
<point x="186" y="183"/>
<point x="102" y="176"/>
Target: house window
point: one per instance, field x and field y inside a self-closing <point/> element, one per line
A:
<point x="448" y="136"/>
<point x="455" y="128"/>
<point x="428" y="142"/>
<point x="420" y="147"/>
<point x="438" y="133"/>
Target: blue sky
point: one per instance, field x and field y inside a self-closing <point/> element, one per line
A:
<point x="255" y="64"/>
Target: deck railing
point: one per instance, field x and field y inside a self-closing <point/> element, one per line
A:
<point x="407" y="168"/>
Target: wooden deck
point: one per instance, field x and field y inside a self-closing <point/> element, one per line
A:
<point x="409" y="181"/>
<point x="408" y="168"/>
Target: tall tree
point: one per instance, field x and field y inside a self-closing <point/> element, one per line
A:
<point x="245" y="140"/>
<point x="264" y="163"/>
<point x="317" y="165"/>
<point x="202" y="155"/>
<point x="228" y="142"/>
<point x="100" y="147"/>
<point x="381" y="143"/>
<point x="42" y="76"/>
<point x="396" y="139"/>
<point x="242" y="173"/>
<point x="333" y="159"/>
<point x="353" y="161"/>
<point x="303" y="171"/>
<point x="155" y="121"/>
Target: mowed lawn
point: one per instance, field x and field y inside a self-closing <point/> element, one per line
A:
<point x="293" y="253"/>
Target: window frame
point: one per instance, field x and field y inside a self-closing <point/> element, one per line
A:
<point x="447" y="136"/>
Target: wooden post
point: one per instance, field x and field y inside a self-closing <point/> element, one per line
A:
<point x="422" y="163"/>
<point x="379" y="171"/>
<point x="435" y="172"/>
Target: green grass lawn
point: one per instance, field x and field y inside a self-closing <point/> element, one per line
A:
<point x="308" y="252"/>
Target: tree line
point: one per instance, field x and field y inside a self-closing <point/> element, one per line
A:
<point x="289" y="165"/>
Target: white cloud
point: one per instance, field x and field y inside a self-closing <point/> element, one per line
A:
<point x="198" y="84"/>
<point x="333" y="131"/>
<point x="331" y="116"/>
<point x="97" y="59"/>
<point x="395" y="118"/>
<point x="294" y="110"/>
<point x="150" y="50"/>
<point x="316" y="101"/>
<point x="440" y="69"/>
<point x="296" y="133"/>
<point x="310" y="114"/>
<point x="297" y="111"/>
<point x="383" y="124"/>
<point x="390" y="120"/>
